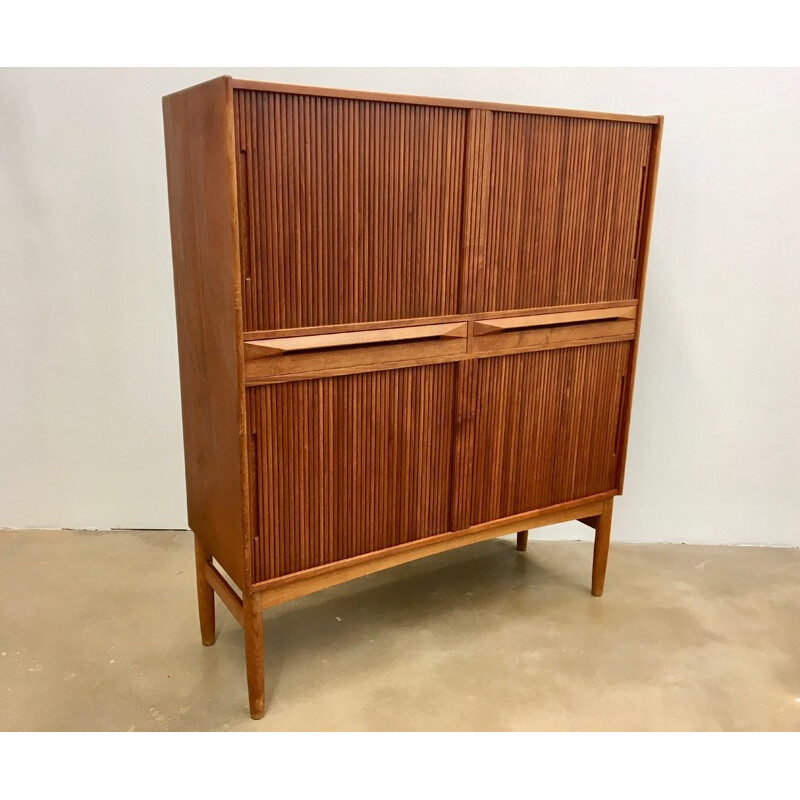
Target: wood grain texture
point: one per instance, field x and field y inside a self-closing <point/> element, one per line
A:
<point x="547" y="422"/>
<point x="279" y="360"/>
<point x="544" y="338"/>
<point x="602" y="538"/>
<point x="224" y="591"/>
<point x="202" y="203"/>
<point x="562" y="214"/>
<point x="205" y="595"/>
<point x="253" y="627"/>
<point x="477" y="175"/>
<point x="405" y="325"/>
<point x="351" y="210"/>
<point x="349" y="360"/>
<point x="279" y="346"/>
<point x="348" y="465"/>
<point x="539" y="320"/>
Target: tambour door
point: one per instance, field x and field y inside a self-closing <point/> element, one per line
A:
<point x="558" y="209"/>
<point x="350" y="210"/>
<point x="348" y="464"/>
<point x="537" y="428"/>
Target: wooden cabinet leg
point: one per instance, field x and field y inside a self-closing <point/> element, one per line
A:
<point x="205" y="595"/>
<point x="522" y="541"/>
<point x="601" y="539"/>
<point x="254" y="653"/>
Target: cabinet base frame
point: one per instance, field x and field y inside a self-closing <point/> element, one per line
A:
<point x="594" y="511"/>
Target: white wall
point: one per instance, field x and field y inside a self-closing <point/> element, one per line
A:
<point x="89" y="396"/>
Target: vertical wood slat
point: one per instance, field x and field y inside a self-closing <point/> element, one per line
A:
<point x="351" y="209"/>
<point x="536" y="429"/>
<point x="561" y="213"/>
<point x="353" y="464"/>
<point x="476" y="198"/>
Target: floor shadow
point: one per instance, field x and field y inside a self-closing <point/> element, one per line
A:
<point x="415" y="594"/>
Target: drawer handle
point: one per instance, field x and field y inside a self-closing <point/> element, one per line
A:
<point x="503" y="324"/>
<point x="262" y="348"/>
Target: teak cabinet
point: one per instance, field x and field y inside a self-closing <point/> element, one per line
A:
<point x="404" y="325"/>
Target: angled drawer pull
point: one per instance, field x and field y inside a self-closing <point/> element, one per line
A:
<point x="502" y="324"/>
<point x="261" y="348"/>
<point x="562" y="329"/>
<point x="323" y="354"/>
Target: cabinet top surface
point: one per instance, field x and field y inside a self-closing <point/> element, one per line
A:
<point x="353" y="94"/>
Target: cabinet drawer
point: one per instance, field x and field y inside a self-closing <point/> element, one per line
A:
<point x="544" y="331"/>
<point x="294" y="357"/>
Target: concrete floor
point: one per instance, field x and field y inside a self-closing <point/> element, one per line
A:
<point x="98" y="631"/>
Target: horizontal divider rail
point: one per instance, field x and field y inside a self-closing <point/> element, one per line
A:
<point x="320" y="353"/>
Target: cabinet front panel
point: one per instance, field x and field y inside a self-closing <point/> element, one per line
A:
<point x="536" y="429"/>
<point x="348" y="465"/>
<point x="350" y="209"/>
<point x="563" y="208"/>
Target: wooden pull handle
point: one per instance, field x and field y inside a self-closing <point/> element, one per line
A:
<point x="261" y="348"/>
<point x="501" y="324"/>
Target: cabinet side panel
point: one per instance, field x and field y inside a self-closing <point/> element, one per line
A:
<point x="563" y="212"/>
<point x="547" y="431"/>
<point x="351" y="210"/>
<point x="349" y="465"/>
<point x="198" y="134"/>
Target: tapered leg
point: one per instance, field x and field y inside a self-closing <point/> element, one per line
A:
<point x="254" y="653"/>
<point x="522" y="541"/>
<point x="205" y="595"/>
<point x="601" y="538"/>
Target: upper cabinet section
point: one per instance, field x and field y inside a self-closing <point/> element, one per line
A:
<point x="358" y="208"/>
<point x="350" y="210"/>
<point x="558" y="210"/>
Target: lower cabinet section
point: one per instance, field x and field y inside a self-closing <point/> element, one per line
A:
<point x="536" y="429"/>
<point x="346" y="465"/>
